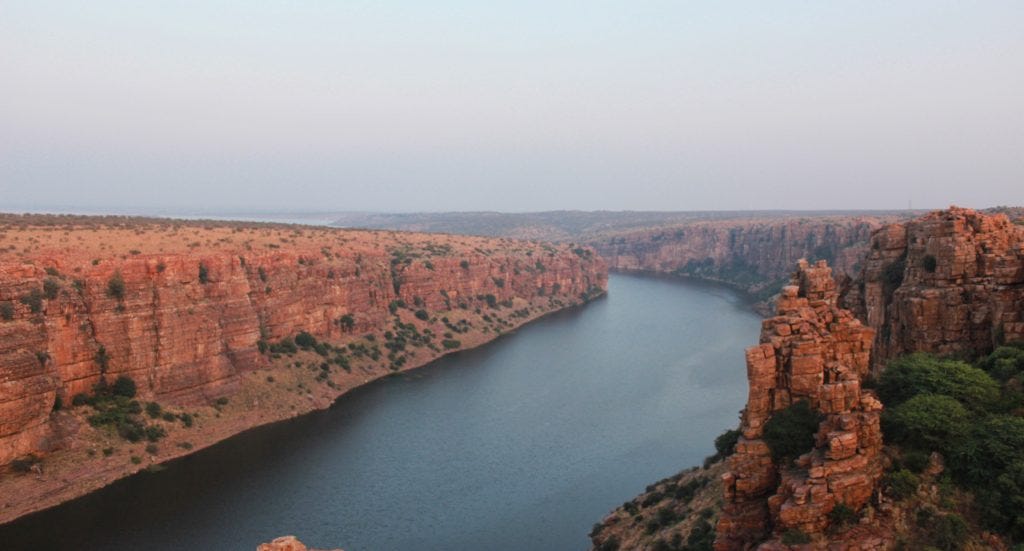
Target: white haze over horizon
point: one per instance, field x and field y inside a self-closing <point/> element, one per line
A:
<point x="398" y="106"/>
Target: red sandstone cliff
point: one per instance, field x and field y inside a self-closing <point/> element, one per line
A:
<point x="755" y="255"/>
<point x="811" y="350"/>
<point x="182" y="308"/>
<point x="949" y="282"/>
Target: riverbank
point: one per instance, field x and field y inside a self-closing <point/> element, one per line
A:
<point x="291" y="386"/>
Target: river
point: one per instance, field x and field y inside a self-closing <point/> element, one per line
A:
<point x="523" y="443"/>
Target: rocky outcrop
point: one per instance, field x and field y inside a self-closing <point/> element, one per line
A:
<point x="754" y="255"/>
<point x="811" y="350"/>
<point x="950" y="282"/>
<point x="285" y="543"/>
<point x="184" y="309"/>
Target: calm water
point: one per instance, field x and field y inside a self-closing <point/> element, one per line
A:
<point x="521" y="444"/>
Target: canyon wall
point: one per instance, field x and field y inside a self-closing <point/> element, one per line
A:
<point x="754" y="255"/>
<point x="816" y="352"/>
<point x="185" y="310"/>
<point x="950" y="282"/>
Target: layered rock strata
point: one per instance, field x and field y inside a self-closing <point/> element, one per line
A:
<point x="754" y="255"/>
<point x="185" y="309"/>
<point x="950" y="282"/>
<point x="815" y="351"/>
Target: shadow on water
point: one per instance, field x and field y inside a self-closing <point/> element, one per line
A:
<point x="521" y="443"/>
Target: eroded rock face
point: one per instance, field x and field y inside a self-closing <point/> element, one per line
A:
<point x="810" y="350"/>
<point x="749" y="254"/>
<point x="185" y="321"/>
<point x="949" y="282"/>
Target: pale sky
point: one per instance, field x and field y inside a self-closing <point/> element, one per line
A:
<point x="523" y="106"/>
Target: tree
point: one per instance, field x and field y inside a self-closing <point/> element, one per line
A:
<point x="790" y="432"/>
<point x="931" y="422"/>
<point x="921" y="373"/>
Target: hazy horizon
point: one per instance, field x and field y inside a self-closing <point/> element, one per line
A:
<point x="231" y="106"/>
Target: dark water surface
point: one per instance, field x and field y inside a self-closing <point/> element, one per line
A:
<point x="519" y="445"/>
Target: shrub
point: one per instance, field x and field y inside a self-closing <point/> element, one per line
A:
<point x="901" y="484"/>
<point x="186" y="419"/>
<point x="929" y="263"/>
<point x="920" y="373"/>
<point x="124" y="386"/>
<point x="34" y="301"/>
<point x="842" y="515"/>
<point x="153" y="409"/>
<point x="79" y="399"/>
<point x="115" y="286"/>
<point x="305" y="340"/>
<point x="151" y="449"/>
<point x="451" y="344"/>
<point x="422" y="314"/>
<point x="1004" y="363"/>
<point x="222" y="401"/>
<point x="948" y="532"/>
<point x="155" y="432"/>
<point x="790" y="432"/>
<point x="464" y="264"/>
<point x="58" y="403"/>
<point x="927" y="421"/>
<point x="204" y="273"/>
<point x="50" y="288"/>
<point x="6" y="310"/>
<point x="795" y="537"/>
<point x="914" y="460"/>
<point x="136" y="460"/>
<point x="107" y="452"/>
<point x="725" y="443"/>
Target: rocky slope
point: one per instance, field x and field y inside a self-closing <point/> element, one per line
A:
<point x="950" y="282"/>
<point x="189" y="310"/>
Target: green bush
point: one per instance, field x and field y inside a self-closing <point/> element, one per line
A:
<point x="451" y="344"/>
<point x="124" y="386"/>
<point x="725" y="443"/>
<point x="34" y="301"/>
<point x="305" y="340"/>
<point x="842" y="515"/>
<point x="153" y="409"/>
<point x="921" y="373"/>
<point x="795" y="537"/>
<point x="464" y="264"/>
<point x="901" y="484"/>
<point x="115" y="286"/>
<point x="927" y="422"/>
<point x="1004" y="363"/>
<point x="422" y="315"/>
<point x="6" y="310"/>
<point x="948" y="532"/>
<point x="790" y="432"/>
<point x="50" y="288"/>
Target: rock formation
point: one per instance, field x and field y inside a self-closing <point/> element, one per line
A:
<point x="949" y="282"/>
<point x="812" y="350"/>
<point x="285" y="543"/>
<point x="184" y="309"/>
<point x="754" y="255"/>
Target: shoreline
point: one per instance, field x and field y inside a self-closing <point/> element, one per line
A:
<point x="75" y="472"/>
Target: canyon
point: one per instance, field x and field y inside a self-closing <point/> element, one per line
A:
<point x="949" y="283"/>
<point x="201" y="316"/>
